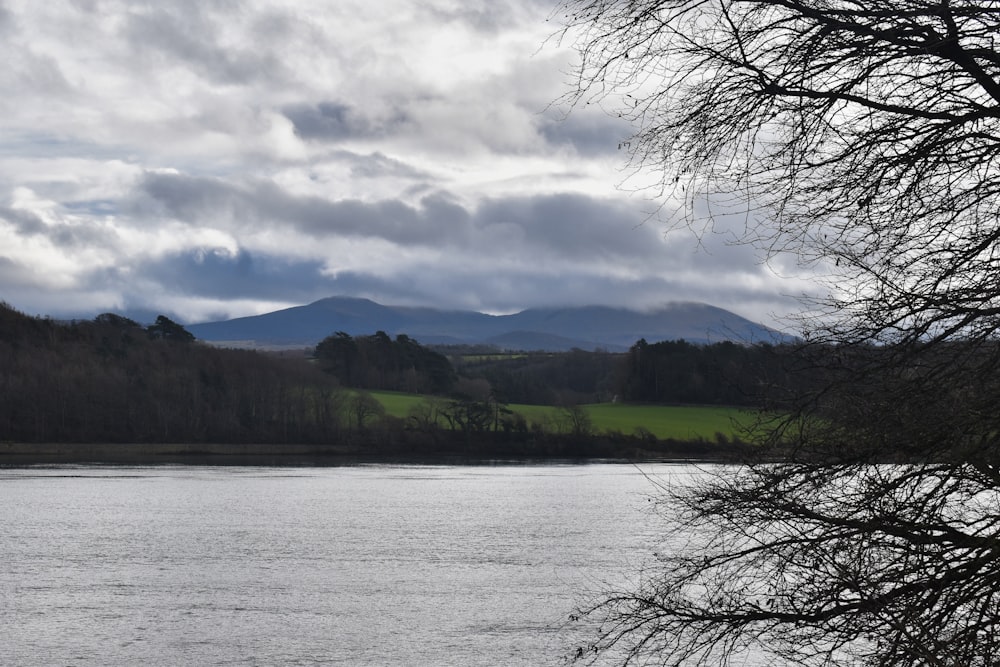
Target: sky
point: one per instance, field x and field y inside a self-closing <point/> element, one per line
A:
<point x="210" y="159"/>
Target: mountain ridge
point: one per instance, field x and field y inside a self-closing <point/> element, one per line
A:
<point x="548" y="329"/>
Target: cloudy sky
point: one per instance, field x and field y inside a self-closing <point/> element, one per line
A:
<point x="210" y="159"/>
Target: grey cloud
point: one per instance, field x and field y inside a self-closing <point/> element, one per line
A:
<point x="487" y="18"/>
<point x="44" y="143"/>
<point x="60" y="234"/>
<point x="326" y="120"/>
<point x="281" y="281"/>
<point x="25" y="222"/>
<point x="193" y="199"/>
<point x="456" y="285"/>
<point x="336" y="121"/>
<point x="377" y="165"/>
<point x="189" y="34"/>
<point x="92" y="206"/>
<point x="611" y="237"/>
<point x="445" y="211"/>
<point x="7" y="22"/>
<point x="555" y="227"/>
<point x="188" y="198"/>
<point x="543" y="229"/>
<point x="590" y="134"/>
<point x="214" y="273"/>
<point x="333" y="77"/>
<point x="81" y="236"/>
<point x="389" y="219"/>
<point x="15" y="278"/>
<point x="573" y="225"/>
<point x="39" y="74"/>
<point x="27" y="286"/>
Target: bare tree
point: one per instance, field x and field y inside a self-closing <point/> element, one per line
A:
<point x="575" y="420"/>
<point x="863" y="138"/>
<point x="364" y="407"/>
<point x="860" y="134"/>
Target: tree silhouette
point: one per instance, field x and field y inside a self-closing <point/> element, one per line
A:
<point x="862" y="138"/>
<point x="166" y="329"/>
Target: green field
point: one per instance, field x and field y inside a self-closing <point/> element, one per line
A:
<point x="663" y="421"/>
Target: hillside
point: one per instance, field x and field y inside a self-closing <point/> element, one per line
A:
<point x="550" y="329"/>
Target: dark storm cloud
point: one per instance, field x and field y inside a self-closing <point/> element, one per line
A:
<point x="194" y="200"/>
<point x="388" y="219"/>
<point x="259" y="277"/>
<point x="337" y="121"/>
<point x="581" y="248"/>
<point x="216" y="273"/>
<point x="570" y="226"/>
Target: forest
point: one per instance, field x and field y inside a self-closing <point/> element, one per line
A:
<point x="112" y="380"/>
<point x="667" y="372"/>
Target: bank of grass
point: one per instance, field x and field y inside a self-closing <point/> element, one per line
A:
<point x="396" y="403"/>
<point x="679" y="422"/>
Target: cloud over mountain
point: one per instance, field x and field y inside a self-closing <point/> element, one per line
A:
<point x="221" y="159"/>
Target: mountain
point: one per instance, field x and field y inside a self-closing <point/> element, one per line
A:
<point x="552" y="329"/>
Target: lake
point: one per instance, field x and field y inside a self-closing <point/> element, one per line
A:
<point x="357" y="565"/>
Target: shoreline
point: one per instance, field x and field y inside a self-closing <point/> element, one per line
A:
<point x="82" y="452"/>
<point x="13" y="454"/>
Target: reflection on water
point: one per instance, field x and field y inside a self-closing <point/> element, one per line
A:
<point x="376" y="565"/>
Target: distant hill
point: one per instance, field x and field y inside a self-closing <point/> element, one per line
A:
<point x="550" y="329"/>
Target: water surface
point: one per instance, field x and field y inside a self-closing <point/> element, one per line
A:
<point x="367" y="565"/>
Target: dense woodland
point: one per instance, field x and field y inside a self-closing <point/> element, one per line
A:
<point x="378" y="362"/>
<point x="113" y="380"/>
<point x="669" y="372"/>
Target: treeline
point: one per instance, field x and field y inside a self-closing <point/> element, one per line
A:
<point x="378" y="362"/>
<point x="541" y="378"/>
<point x="719" y="374"/>
<point x="671" y="372"/>
<point x="111" y="380"/>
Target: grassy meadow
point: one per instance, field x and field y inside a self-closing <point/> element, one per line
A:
<point x="663" y="421"/>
